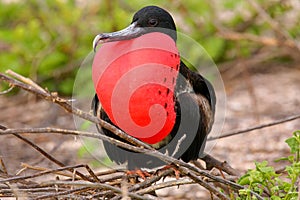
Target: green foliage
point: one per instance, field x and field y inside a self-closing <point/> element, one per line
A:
<point x="39" y="44"/>
<point x="294" y="144"/>
<point x="264" y="179"/>
<point x="48" y="40"/>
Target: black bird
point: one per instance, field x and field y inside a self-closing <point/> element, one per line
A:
<point x="194" y="99"/>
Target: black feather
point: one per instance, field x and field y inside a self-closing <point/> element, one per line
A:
<point x="195" y="102"/>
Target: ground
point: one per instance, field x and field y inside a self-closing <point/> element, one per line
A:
<point x="254" y="96"/>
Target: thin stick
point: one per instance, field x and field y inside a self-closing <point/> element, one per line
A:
<point x="63" y="193"/>
<point x="48" y="156"/>
<point x="268" y="41"/>
<point x="182" y="165"/>
<point x="72" y="132"/>
<point x="2" y="127"/>
<point x="3" y="166"/>
<point x="71" y="109"/>
<point x="17" y="178"/>
<point x="187" y="169"/>
<point x="27" y="166"/>
<point x="157" y="154"/>
<point x="7" y="90"/>
<point x="274" y="24"/>
<point x="94" y="185"/>
<point x="25" y="80"/>
<point x="280" y="121"/>
<point x="224" y="166"/>
<point x="198" y="180"/>
<point x="184" y="181"/>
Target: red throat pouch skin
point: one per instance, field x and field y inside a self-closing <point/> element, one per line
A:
<point x="135" y="81"/>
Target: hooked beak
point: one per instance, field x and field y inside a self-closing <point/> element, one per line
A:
<point x="132" y="31"/>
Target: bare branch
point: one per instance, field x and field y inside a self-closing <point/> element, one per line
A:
<point x="63" y="193"/>
<point x="182" y="165"/>
<point x="7" y="91"/>
<point x="172" y="183"/>
<point x="48" y="156"/>
<point x="274" y="24"/>
<point x="280" y="121"/>
<point x="52" y="97"/>
<point x="268" y="41"/>
<point x="17" y="178"/>
<point x="224" y="166"/>
<point x="195" y="174"/>
<point x="94" y="185"/>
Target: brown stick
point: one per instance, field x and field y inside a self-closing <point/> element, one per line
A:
<point x="224" y="166"/>
<point x="182" y="165"/>
<point x="237" y="132"/>
<point x="52" y="97"/>
<point x="268" y="41"/>
<point x="49" y="157"/>
<point x="187" y="169"/>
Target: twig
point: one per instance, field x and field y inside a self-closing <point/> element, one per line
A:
<point x="182" y="165"/>
<point x="150" y="181"/>
<point x="3" y="166"/>
<point x="17" y="178"/>
<point x="110" y="171"/>
<point x="25" y="80"/>
<point x="27" y="166"/>
<point x="63" y="193"/>
<point x="94" y="185"/>
<point x="73" y="132"/>
<point x="32" y="190"/>
<point x="7" y="90"/>
<point x="166" y="184"/>
<point x="231" y="35"/>
<point x="187" y="169"/>
<point x="157" y="154"/>
<point x="274" y="24"/>
<point x="2" y="127"/>
<point x="71" y="109"/>
<point x="48" y="156"/>
<point x="224" y="166"/>
<point x="237" y="132"/>
<point x="146" y="183"/>
<point x="154" y="153"/>
<point x="89" y="170"/>
<point x="112" y="178"/>
<point x="209" y="187"/>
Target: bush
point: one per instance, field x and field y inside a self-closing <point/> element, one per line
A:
<point x="265" y="180"/>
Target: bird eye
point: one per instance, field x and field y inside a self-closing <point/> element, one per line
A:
<point x="153" y="22"/>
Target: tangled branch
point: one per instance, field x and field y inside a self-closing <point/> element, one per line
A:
<point x="94" y="185"/>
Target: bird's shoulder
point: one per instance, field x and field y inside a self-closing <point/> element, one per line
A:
<point x="193" y="82"/>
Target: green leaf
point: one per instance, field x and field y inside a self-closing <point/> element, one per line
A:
<point x="244" y="180"/>
<point x="293" y="144"/>
<point x="275" y="198"/>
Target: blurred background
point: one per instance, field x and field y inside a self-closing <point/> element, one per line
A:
<point x="48" y="40"/>
<point x="255" y="45"/>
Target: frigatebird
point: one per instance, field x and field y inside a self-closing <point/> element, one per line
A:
<point x="189" y="105"/>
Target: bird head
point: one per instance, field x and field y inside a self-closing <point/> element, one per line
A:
<point x="146" y="20"/>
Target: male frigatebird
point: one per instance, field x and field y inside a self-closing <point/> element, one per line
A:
<point x="189" y="103"/>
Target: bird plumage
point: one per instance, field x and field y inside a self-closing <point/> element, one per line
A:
<point x="194" y="98"/>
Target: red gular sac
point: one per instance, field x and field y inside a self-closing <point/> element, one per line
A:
<point x="135" y="81"/>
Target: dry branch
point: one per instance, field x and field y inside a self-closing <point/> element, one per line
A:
<point x="53" y="97"/>
<point x="92" y="185"/>
<point x="237" y="132"/>
<point x="185" y="168"/>
<point x="276" y="26"/>
<point x="267" y="41"/>
<point x="191" y="173"/>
